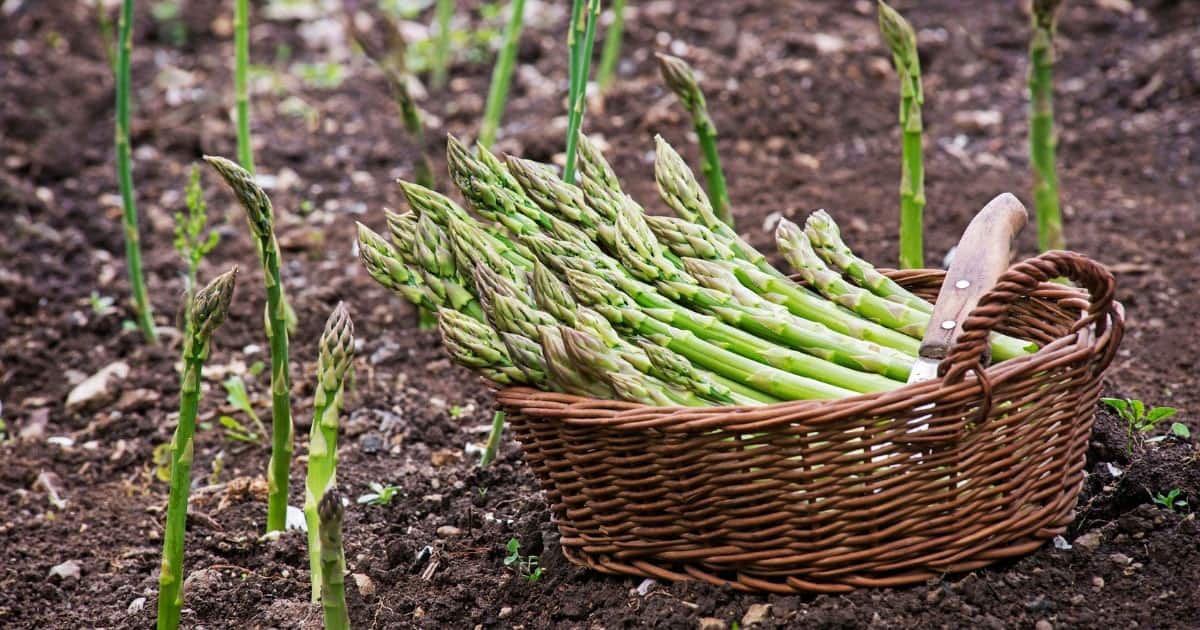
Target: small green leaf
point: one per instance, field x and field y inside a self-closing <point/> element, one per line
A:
<point x="1160" y="413"/>
<point x="1139" y="409"/>
<point x="1119" y="405"/>
<point x="1180" y="430"/>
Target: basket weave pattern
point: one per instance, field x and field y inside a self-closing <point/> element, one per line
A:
<point x="877" y="490"/>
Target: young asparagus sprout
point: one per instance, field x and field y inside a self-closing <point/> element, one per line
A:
<point x="1042" y="138"/>
<point x="679" y="77"/>
<point x="333" y="361"/>
<point x="902" y="41"/>
<point x="502" y="74"/>
<point x="260" y="215"/>
<point x="206" y="312"/>
<point x="493" y="440"/>
<point x="133" y="247"/>
<point x="581" y="36"/>
<point x="333" y="561"/>
<point x="191" y="241"/>
<point x="441" y="49"/>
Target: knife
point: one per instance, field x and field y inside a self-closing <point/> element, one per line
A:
<point x="981" y="257"/>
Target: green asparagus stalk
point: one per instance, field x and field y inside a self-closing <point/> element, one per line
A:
<point x="826" y="239"/>
<point x="441" y="49"/>
<point x="133" y="242"/>
<point x="622" y="311"/>
<point x="333" y="361"/>
<point x="385" y="266"/>
<point x="902" y="41"/>
<point x="552" y="296"/>
<point x="1042" y="138"/>
<point x="472" y="247"/>
<point x="474" y="344"/>
<point x="563" y="370"/>
<point x="493" y="440"/>
<point x="402" y="226"/>
<point x="672" y="367"/>
<point x="552" y="195"/>
<point x="205" y="314"/>
<point x="527" y="356"/>
<point x="440" y="270"/>
<point x="241" y="61"/>
<point x="794" y="246"/>
<point x="261" y="217"/>
<point x="611" y="52"/>
<point x="333" y="561"/>
<point x="600" y="363"/>
<point x="502" y="74"/>
<point x="441" y="208"/>
<point x="679" y="77"/>
<point x="580" y="39"/>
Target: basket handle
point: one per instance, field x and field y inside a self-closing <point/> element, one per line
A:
<point x="1019" y="281"/>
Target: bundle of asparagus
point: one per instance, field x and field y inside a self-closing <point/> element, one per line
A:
<point x="576" y="289"/>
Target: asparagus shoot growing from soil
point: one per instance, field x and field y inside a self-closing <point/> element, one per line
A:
<point x="205" y="313"/>
<point x="1042" y="140"/>
<point x="333" y="561"/>
<point x="902" y="41"/>
<point x="333" y="361"/>
<point x="493" y="440"/>
<point x="241" y="64"/>
<point x="441" y="49"/>
<point x="679" y="77"/>
<point x="391" y="64"/>
<point x="502" y="74"/>
<point x="611" y="53"/>
<point x="133" y="242"/>
<point x="261" y="217"/>
<point x="581" y="36"/>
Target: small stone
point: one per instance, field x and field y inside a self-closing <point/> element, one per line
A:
<point x="644" y="588"/>
<point x="1098" y="581"/>
<point x="1121" y="558"/>
<point x="976" y="121"/>
<point x="1042" y="624"/>
<point x="505" y="612"/>
<point x="757" y="613"/>
<point x="65" y="570"/>
<point x="1039" y="605"/>
<point x="98" y="389"/>
<point x="371" y="443"/>
<point x="1061" y="544"/>
<point x="1089" y="541"/>
<point x="366" y="586"/>
<point x="448" y="531"/>
<point x="35" y="427"/>
<point x="711" y="623"/>
<point x="136" y="606"/>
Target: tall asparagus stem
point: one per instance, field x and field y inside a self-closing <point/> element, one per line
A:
<point x="493" y="440"/>
<point x="580" y="39"/>
<point x="205" y="313"/>
<point x="441" y="50"/>
<point x="827" y="241"/>
<point x="391" y="64"/>
<point x="679" y="77"/>
<point x="133" y="242"/>
<point x="902" y="41"/>
<point x="241" y="62"/>
<point x="261" y="218"/>
<point x="502" y="74"/>
<point x="333" y="360"/>
<point x="611" y="52"/>
<point x="333" y="562"/>
<point x="1042" y="138"/>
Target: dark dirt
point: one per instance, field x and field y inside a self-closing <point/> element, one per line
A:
<point x="804" y="99"/>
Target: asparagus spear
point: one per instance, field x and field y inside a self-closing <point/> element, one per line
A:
<point x="441" y="210"/>
<point x="474" y="344"/>
<point x="601" y="190"/>
<point x="679" y="77"/>
<point x="261" y="217"/>
<point x="622" y="311"/>
<point x="826" y="239"/>
<point x="133" y="247"/>
<point x="502" y="74"/>
<point x="902" y="41"/>
<point x="794" y="246"/>
<point x="333" y="562"/>
<point x="527" y="355"/>
<point x="1042" y="140"/>
<point x="385" y="266"/>
<point x="241" y="66"/>
<point x="205" y="314"/>
<point x="612" y="46"/>
<point x="563" y="370"/>
<point x="402" y="226"/>
<point x="554" y="196"/>
<point x="580" y="38"/>
<point x="552" y="296"/>
<point x="333" y="361"/>
<point x="601" y="363"/>
<point x="436" y="255"/>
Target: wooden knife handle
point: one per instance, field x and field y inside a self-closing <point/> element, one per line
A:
<point x="981" y="257"/>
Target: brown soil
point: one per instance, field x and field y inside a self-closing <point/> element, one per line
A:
<point x="807" y="121"/>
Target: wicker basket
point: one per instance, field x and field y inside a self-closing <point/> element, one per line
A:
<point x="827" y="496"/>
